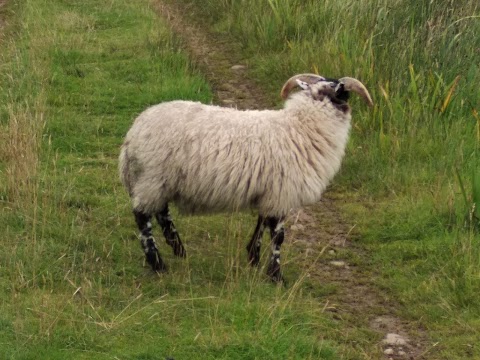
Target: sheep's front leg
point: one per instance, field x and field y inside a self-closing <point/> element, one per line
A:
<point x="148" y="242"/>
<point x="255" y="243"/>
<point x="277" y="233"/>
<point x="170" y="233"/>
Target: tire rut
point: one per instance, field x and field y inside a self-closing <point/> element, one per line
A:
<point x="318" y="229"/>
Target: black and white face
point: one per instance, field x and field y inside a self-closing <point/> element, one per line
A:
<point x="326" y="88"/>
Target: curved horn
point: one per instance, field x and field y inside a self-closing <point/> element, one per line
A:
<point x="351" y="84"/>
<point x="292" y="82"/>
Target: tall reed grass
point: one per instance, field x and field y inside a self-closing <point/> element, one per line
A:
<point x="419" y="59"/>
<point x="73" y="76"/>
<point x="411" y="171"/>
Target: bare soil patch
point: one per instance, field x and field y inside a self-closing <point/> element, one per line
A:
<point x="319" y="228"/>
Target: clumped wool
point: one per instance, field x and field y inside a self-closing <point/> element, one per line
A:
<point x="207" y="158"/>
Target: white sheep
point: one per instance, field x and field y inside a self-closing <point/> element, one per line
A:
<point x="207" y="158"/>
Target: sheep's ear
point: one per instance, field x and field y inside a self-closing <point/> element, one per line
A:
<point x="303" y="84"/>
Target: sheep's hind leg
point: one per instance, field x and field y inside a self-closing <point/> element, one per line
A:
<point x="148" y="242"/>
<point x="277" y="233"/>
<point x="170" y="233"/>
<point x="255" y="243"/>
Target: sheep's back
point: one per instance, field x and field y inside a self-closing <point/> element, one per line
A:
<point x="207" y="158"/>
<point x="202" y="157"/>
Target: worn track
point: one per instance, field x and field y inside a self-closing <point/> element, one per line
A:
<point x="315" y="230"/>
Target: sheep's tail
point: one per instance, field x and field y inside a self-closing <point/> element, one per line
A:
<point x="124" y="169"/>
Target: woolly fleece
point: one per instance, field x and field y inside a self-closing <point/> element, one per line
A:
<point x="207" y="158"/>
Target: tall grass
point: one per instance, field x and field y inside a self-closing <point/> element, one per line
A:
<point x="419" y="59"/>
<point x="74" y="75"/>
<point x="22" y="118"/>
<point x="20" y="145"/>
<point x="411" y="170"/>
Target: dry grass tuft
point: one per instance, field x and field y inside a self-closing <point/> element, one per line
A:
<point x="20" y="141"/>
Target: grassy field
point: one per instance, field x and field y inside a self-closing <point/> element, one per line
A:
<point x="74" y="74"/>
<point x="410" y="181"/>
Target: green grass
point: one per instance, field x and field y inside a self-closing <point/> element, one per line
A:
<point x="72" y="285"/>
<point x="73" y="76"/>
<point x="409" y="180"/>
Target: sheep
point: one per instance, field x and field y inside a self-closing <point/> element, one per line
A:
<point x="206" y="158"/>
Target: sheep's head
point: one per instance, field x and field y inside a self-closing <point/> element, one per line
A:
<point x="319" y="87"/>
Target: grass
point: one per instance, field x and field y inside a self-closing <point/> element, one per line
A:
<point x="74" y="75"/>
<point x="410" y="177"/>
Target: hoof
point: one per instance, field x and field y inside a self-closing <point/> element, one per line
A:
<point x="180" y="252"/>
<point x="177" y="247"/>
<point x="160" y="267"/>
<point x="253" y="261"/>
<point x="278" y="279"/>
<point x="155" y="261"/>
<point x="275" y="274"/>
<point x="253" y="256"/>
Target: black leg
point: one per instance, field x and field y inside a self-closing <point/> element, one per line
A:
<point x="277" y="234"/>
<point x="170" y="233"/>
<point x="255" y="243"/>
<point x="147" y="241"/>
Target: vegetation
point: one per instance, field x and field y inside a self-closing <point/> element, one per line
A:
<point x="74" y="74"/>
<point x="411" y="175"/>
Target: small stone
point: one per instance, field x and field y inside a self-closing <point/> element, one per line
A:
<point x="331" y="252"/>
<point x="402" y="353"/>
<point x="389" y="351"/>
<point x="394" y="340"/>
<point x="238" y="67"/>
<point x="337" y="263"/>
<point x="228" y="102"/>
<point x="296" y="227"/>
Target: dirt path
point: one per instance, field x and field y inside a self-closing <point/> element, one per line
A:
<point x="216" y="57"/>
<point x="356" y="301"/>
